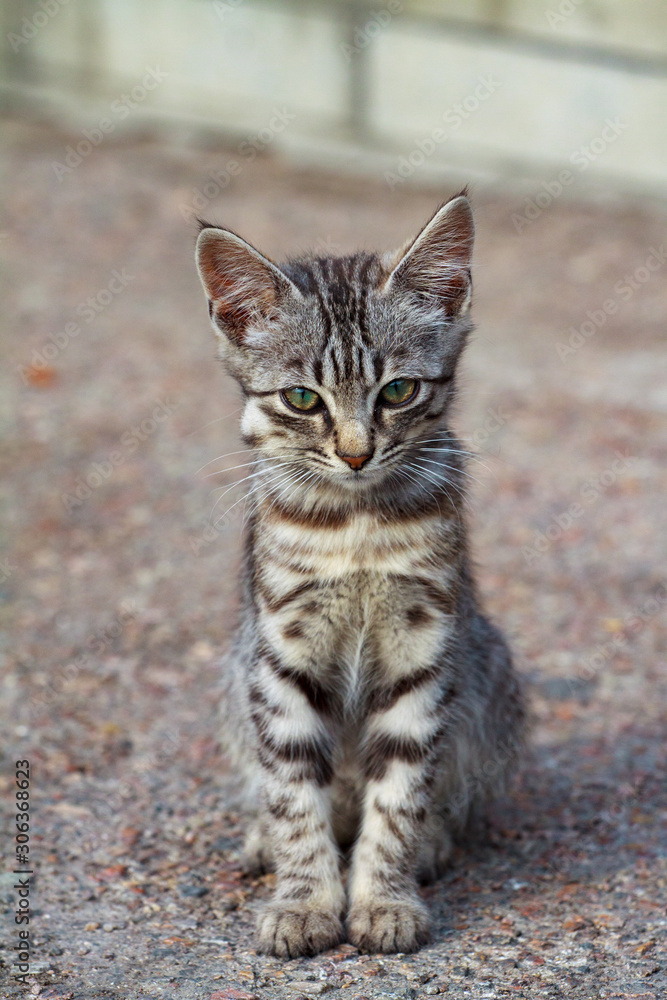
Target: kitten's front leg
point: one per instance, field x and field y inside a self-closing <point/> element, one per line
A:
<point x="399" y="753"/>
<point x="295" y="753"/>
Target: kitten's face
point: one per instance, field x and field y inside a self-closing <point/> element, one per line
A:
<point x="346" y="365"/>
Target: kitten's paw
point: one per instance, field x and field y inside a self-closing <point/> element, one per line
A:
<point x="384" y="925"/>
<point x="289" y="930"/>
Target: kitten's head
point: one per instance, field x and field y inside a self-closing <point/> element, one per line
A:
<point x="347" y="364"/>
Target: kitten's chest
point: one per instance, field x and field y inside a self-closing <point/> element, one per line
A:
<point x="356" y="596"/>
<point x="365" y="543"/>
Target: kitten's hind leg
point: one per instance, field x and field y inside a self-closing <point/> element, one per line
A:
<point x="435" y="851"/>
<point x="257" y="854"/>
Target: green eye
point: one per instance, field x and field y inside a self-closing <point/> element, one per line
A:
<point x="301" y="399"/>
<point x="399" y="391"/>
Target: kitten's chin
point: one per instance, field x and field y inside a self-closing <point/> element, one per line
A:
<point x="337" y="488"/>
<point x="360" y="484"/>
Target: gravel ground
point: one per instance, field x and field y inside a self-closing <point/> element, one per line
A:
<point x="118" y="594"/>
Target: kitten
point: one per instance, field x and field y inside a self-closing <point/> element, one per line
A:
<point x="373" y="707"/>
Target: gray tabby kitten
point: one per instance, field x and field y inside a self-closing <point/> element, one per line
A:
<point x="372" y="706"/>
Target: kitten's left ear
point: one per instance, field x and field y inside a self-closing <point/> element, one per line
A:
<point x="437" y="262"/>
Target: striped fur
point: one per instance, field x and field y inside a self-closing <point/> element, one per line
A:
<point x="371" y="707"/>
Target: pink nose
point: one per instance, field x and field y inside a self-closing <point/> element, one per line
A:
<point x="355" y="461"/>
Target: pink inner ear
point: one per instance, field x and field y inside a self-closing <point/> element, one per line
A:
<point x="237" y="282"/>
<point x="438" y="261"/>
<point x="240" y="296"/>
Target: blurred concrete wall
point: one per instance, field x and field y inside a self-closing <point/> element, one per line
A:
<point x="560" y="91"/>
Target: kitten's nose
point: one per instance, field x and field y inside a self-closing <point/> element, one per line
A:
<point x="355" y="461"/>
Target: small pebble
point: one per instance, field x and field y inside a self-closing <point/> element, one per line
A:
<point x="310" y="989"/>
<point x="194" y="891"/>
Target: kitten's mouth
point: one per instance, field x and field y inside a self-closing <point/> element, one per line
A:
<point x="361" y="477"/>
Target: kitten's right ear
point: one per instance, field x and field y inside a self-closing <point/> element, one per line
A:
<point x="243" y="287"/>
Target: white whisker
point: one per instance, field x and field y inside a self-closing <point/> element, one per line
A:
<point x="436" y="476"/>
<point x="451" y="468"/>
<point x="465" y="454"/>
<point x="219" y="457"/>
<point x="243" y="465"/>
<point x="217" y="420"/>
<point x="297" y="480"/>
<point x="419" y="483"/>
<point x="442" y="483"/>
<point x="253" y="475"/>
